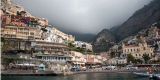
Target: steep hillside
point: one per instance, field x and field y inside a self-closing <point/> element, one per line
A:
<point x="141" y="19"/>
<point x="103" y="41"/>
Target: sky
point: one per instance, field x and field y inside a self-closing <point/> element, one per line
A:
<point x="83" y="16"/>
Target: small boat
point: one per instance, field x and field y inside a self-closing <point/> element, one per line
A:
<point x="143" y="74"/>
<point x="156" y="76"/>
<point x="151" y="76"/>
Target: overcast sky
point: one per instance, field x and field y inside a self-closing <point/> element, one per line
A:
<point x="84" y="16"/>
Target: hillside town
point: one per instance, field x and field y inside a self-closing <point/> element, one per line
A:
<point x="142" y="48"/>
<point x="31" y="43"/>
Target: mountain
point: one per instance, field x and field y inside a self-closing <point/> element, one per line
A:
<point x="103" y="41"/>
<point x="140" y="20"/>
<point x="105" y="35"/>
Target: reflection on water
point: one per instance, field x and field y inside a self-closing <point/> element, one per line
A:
<point x="88" y="76"/>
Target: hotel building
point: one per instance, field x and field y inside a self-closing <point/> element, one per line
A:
<point x="138" y="49"/>
<point x="78" y="59"/>
<point x="20" y="32"/>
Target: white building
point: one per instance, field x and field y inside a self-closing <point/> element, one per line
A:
<point x="78" y="59"/>
<point x="64" y="36"/>
<point x="98" y="59"/>
<point x="115" y="61"/>
<point x="61" y="59"/>
<point x="51" y="34"/>
<point x="94" y="59"/>
<point x="82" y="44"/>
<point x="48" y="35"/>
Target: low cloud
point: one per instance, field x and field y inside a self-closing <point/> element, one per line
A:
<point x="84" y="16"/>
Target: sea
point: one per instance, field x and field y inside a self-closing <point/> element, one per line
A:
<point x="82" y="76"/>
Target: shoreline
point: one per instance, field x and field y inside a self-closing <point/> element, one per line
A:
<point x="19" y="73"/>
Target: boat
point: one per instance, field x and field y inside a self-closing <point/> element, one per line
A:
<point x="156" y="77"/>
<point x="143" y="74"/>
<point x="151" y="76"/>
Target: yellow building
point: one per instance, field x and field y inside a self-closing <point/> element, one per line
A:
<point x="20" y="32"/>
<point x="138" y="50"/>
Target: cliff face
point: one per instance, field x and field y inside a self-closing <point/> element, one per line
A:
<point x="140" y="20"/>
<point x="105" y="35"/>
<point x="103" y="41"/>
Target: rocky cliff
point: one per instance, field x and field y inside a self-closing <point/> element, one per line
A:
<point x="140" y="20"/>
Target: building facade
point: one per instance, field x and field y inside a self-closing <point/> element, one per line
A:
<point x="42" y="47"/>
<point x="64" y="36"/>
<point x="61" y="59"/>
<point x="20" y="32"/>
<point x="78" y="59"/>
<point x="116" y="61"/>
<point x="138" y="49"/>
<point x="84" y="45"/>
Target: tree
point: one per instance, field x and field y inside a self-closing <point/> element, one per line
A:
<point x="146" y="58"/>
<point x="139" y="61"/>
<point x="112" y="54"/>
<point x="71" y="45"/>
<point x="5" y="45"/>
<point x="130" y="58"/>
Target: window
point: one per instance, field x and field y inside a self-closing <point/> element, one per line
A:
<point x="64" y="58"/>
<point x="32" y="33"/>
<point x="144" y="48"/>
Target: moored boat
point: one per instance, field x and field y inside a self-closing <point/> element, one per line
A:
<point x="143" y="74"/>
<point x="151" y="76"/>
<point x="156" y="76"/>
